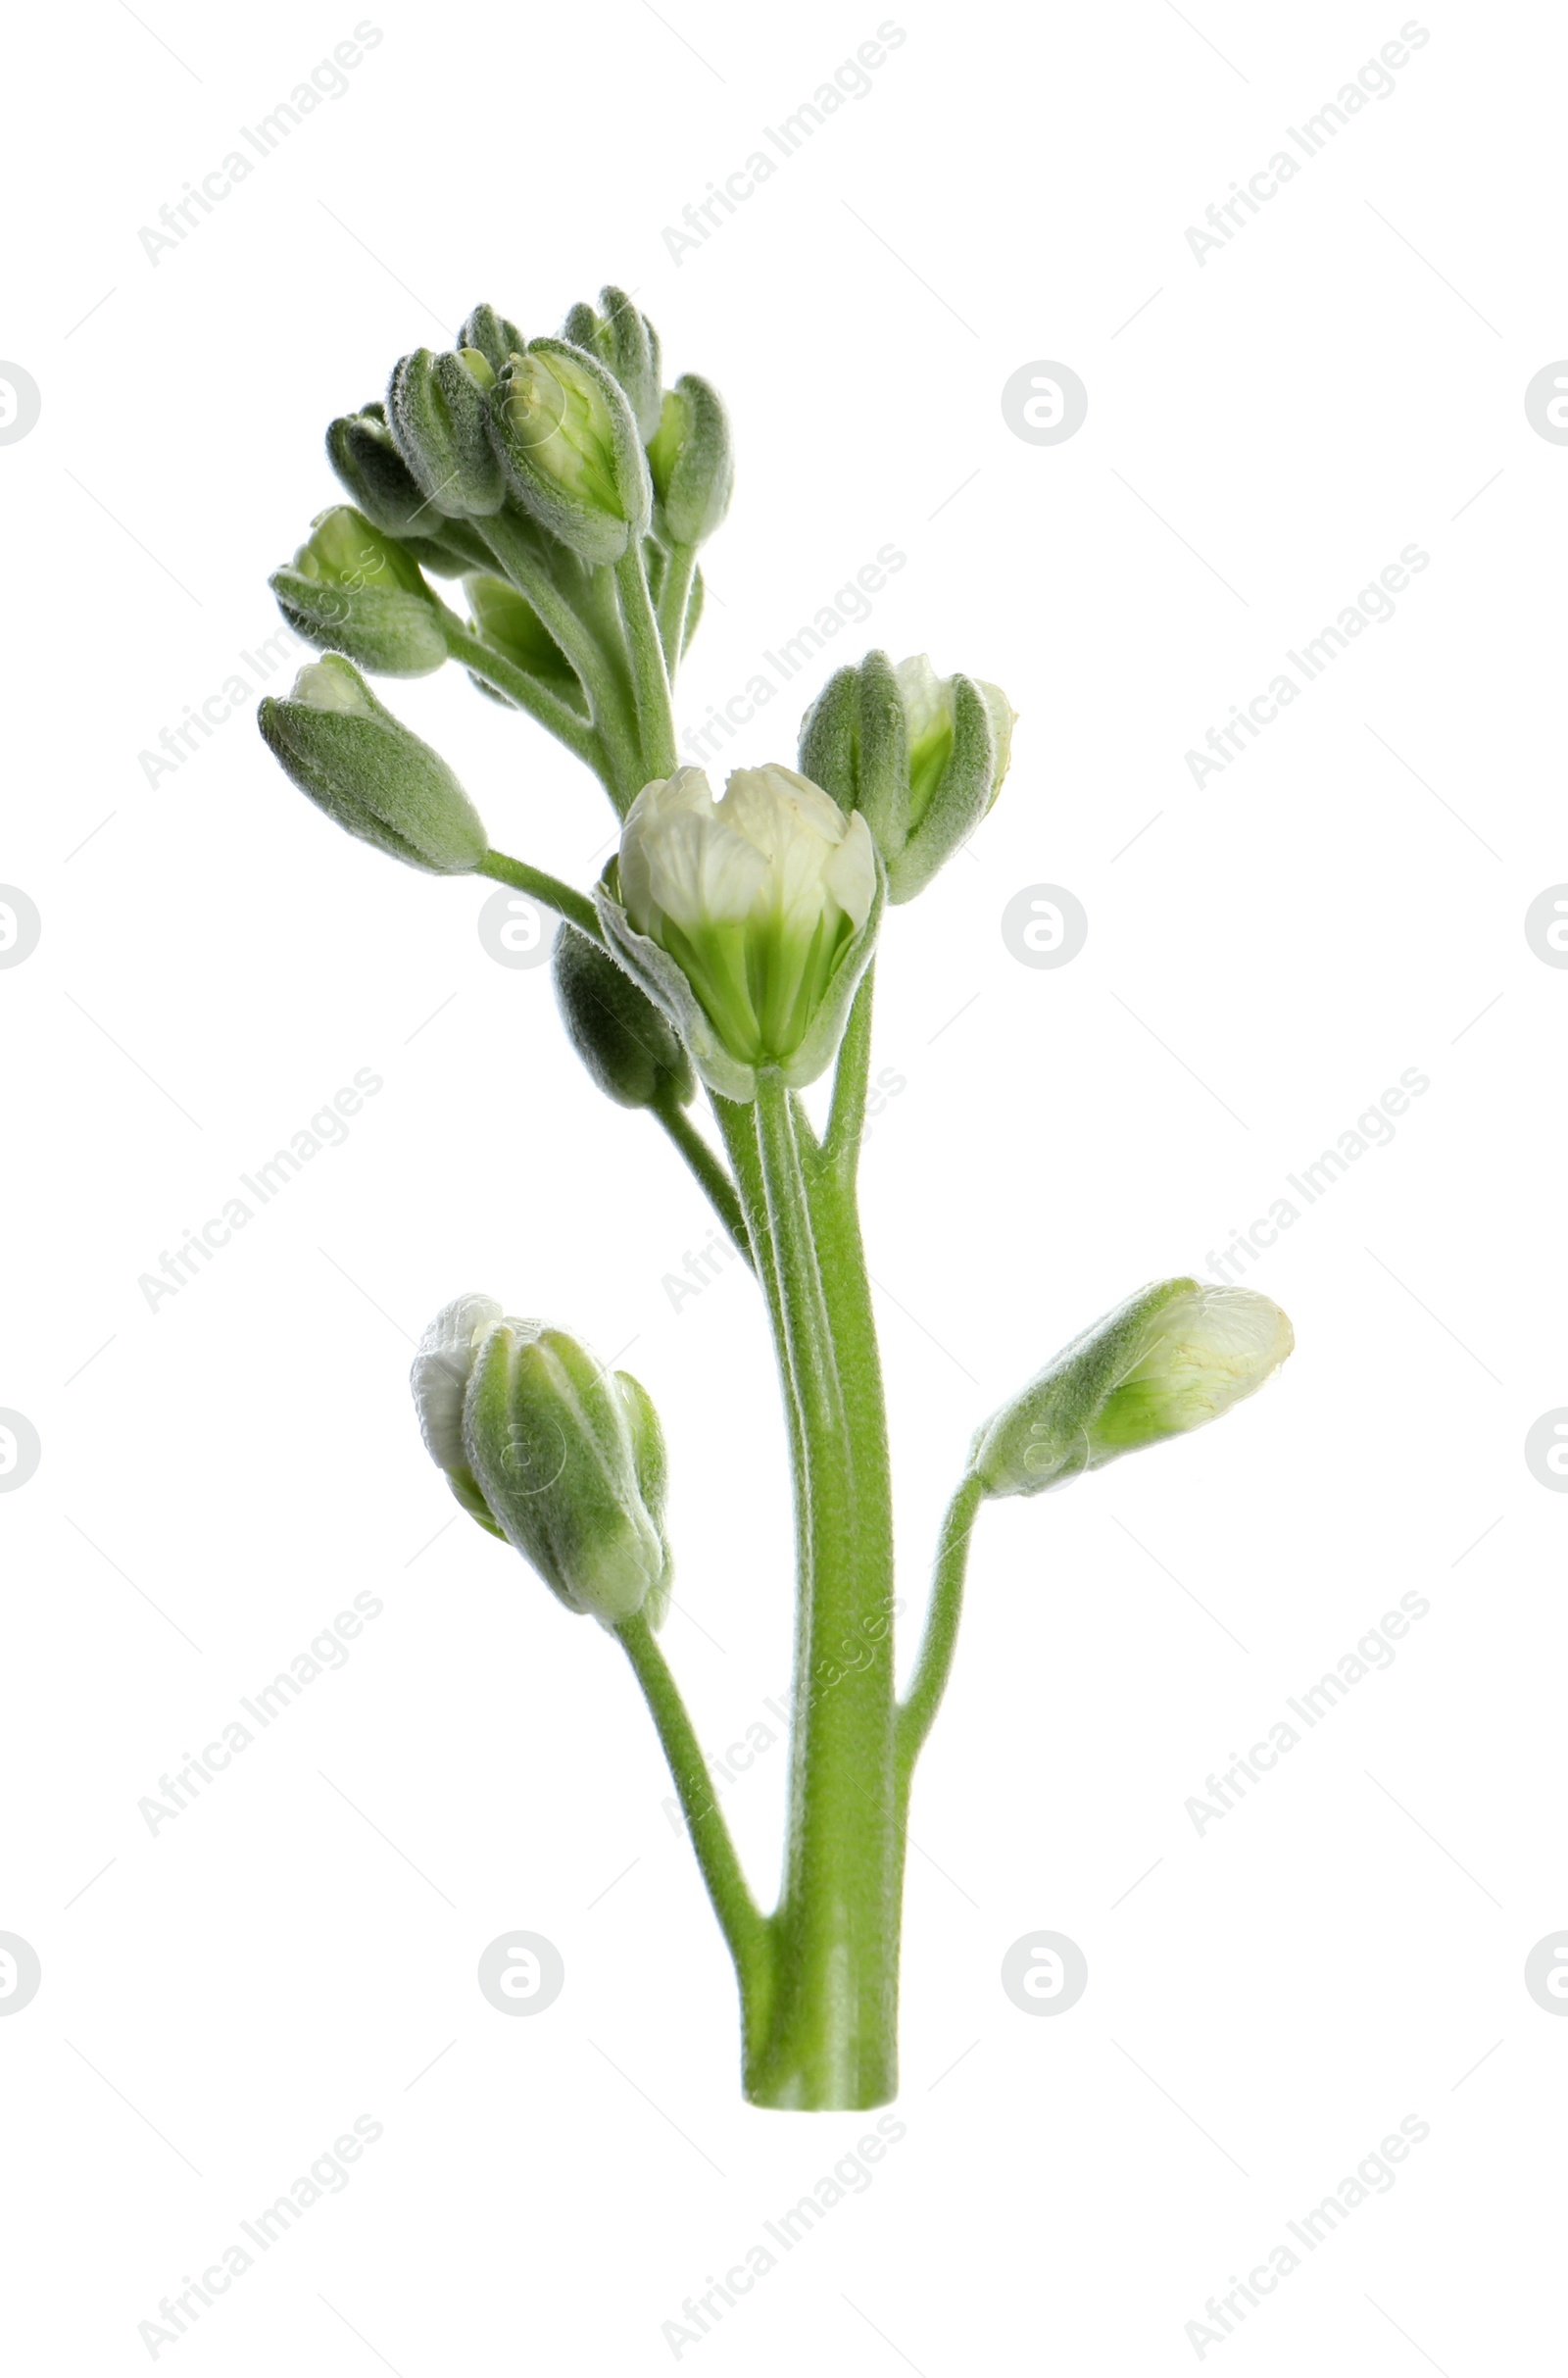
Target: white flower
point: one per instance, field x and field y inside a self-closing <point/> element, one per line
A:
<point x="758" y="897"/>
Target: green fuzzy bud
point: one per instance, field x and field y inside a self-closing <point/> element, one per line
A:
<point x="569" y="1461"/>
<point x="631" y="1050"/>
<point x="372" y="777"/>
<point x="360" y="450"/>
<point x="351" y="589"/>
<point x="570" y="446"/>
<point x="627" y="345"/>
<point x="509" y="620"/>
<point x="921" y="757"/>
<point x="438" y="412"/>
<point x="692" y="459"/>
<point x="492" y="335"/>
<point x="1171" y="1357"/>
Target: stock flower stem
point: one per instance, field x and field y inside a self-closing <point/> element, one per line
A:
<point x="846" y="1122"/>
<point x="674" y="598"/>
<point x="744" y="1928"/>
<point x="650" y="679"/>
<point x="567" y="726"/>
<point x="575" y="906"/>
<point x="932" y="1669"/>
<point x="831" y="2037"/>
<point x="585" y="643"/>
<point x="709" y="1170"/>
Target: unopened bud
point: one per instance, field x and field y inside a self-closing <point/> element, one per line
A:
<point x="921" y="758"/>
<point x="372" y="777"/>
<point x="692" y="459"/>
<point x="570" y="1460"/>
<point x="570" y="445"/>
<point x="627" y="345"/>
<point x="632" y="1052"/>
<point x="438" y="411"/>
<point x="1171" y="1357"/>
<point x="352" y="590"/>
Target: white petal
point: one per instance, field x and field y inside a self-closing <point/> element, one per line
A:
<point x="702" y="872"/>
<point x="927" y="698"/>
<point x="439" y="1376"/>
<point x="773" y="805"/>
<point x="851" y="872"/>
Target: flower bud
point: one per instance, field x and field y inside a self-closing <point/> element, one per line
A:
<point x="492" y="335"/>
<point x="631" y="1050"/>
<point x="627" y="345"/>
<point x="353" y="589"/>
<point x="438" y="412"/>
<point x="570" y="1460"/>
<point x="373" y="777"/>
<point x="921" y="757"/>
<point x="692" y="459"/>
<point x="360" y="450"/>
<point x="570" y="446"/>
<point x="748" y="922"/>
<point x="1172" y="1357"/>
<point x="509" y="620"/>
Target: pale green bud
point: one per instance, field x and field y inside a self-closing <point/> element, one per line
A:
<point x="438" y="411"/>
<point x="492" y="335"/>
<point x="627" y="345"/>
<point x="692" y="459"/>
<point x="352" y="590"/>
<point x="569" y="1461"/>
<point x="630" y="1048"/>
<point x="920" y="757"/>
<point x="749" y="921"/>
<point x="1171" y="1357"/>
<point x="509" y="620"/>
<point x="566" y="439"/>
<point x="372" y="777"/>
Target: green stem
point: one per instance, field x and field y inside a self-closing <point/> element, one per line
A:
<point x="575" y="906"/>
<point x="846" y="1122"/>
<point x="673" y="597"/>
<point x="935" y="1664"/>
<point x="581" y="635"/>
<point x="831" y="2038"/>
<point x="567" y="726"/>
<point x="743" y="1926"/>
<point x="709" y="1170"/>
<point x="655" y="727"/>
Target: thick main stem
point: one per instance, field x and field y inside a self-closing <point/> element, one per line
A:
<point x="831" y="2037"/>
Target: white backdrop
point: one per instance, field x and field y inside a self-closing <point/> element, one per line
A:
<point x="1273" y="418"/>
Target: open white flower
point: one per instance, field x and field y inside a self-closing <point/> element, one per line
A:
<point x="766" y="902"/>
